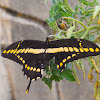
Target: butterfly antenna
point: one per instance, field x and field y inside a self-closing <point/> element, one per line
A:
<point x="28" y="87"/>
<point x="42" y="30"/>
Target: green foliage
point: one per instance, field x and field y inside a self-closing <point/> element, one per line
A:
<point x="81" y="22"/>
<point x="55" y="74"/>
<point x="89" y="3"/>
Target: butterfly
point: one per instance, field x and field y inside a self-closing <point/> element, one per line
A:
<point x="34" y="55"/>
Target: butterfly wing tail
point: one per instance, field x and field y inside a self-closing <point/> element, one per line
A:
<point x="28" y="87"/>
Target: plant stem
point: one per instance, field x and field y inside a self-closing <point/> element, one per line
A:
<point x="85" y="34"/>
<point x="66" y="2"/>
<point x="94" y="27"/>
<point x="79" y="31"/>
<point x="96" y="40"/>
<point x="76" y="21"/>
<point x="94" y="64"/>
<point x="75" y="74"/>
<point x="90" y="28"/>
<point x="86" y="12"/>
<point x="98" y="61"/>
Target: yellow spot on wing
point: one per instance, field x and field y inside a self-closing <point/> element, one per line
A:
<point x="21" y="58"/>
<point x="34" y="69"/>
<point x="12" y="51"/>
<point x="64" y="60"/>
<point x="19" y="51"/>
<point x="71" y="49"/>
<point x="66" y="49"/>
<point x="60" y="49"/>
<point x="25" y="65"/>
<point x="33" y="79"/>
<point x="38" y="70"/>
<point x="54" y="50"/>
<point x="36" y="51"/>
<point x="81" y="50"/>
<point x="18" y="45"/>
<point x="4" y="51"/>
<point x="80" y="45"/>
<point x="31" y="68"/>
<point x="73" y="55"/>
<point x="39" y="51"/>
<point x="8" y="51"/>
<point x="28" y="67"/>
<point x="18" y="56"/>
<point x="61" y="64"/>
<point x="75" y="49"/>
<point x="22" y="51"/>
<point x="96" y="50"/>
<point x="41" y="71"/>
<point x="86" y="49"/>
<point x="91" y="49"/>
<point x="23" y="61"/>
<point x="57" y="66"/>
<point x="26" y="51"/>
<point x="37" y="77"/>
<point x="51" y="50"/>
<point x="68" y="57"/>
<point x="30" y="50"/>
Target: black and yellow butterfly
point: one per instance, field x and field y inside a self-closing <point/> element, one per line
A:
<point x="34" y="55"/>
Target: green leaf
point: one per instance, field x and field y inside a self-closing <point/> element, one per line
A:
<point x="81" y="8"/>
<point x="52" y="63"/>
<point x="82" y="18"/>
<point x="68" y="70"/>
<point x="55" y="77"/>
<point x="63" y="8"/>
<point x="62" y="14"/>
<point x="74" y="13"/>
<point x="46" y="68"/>
<point x="55" y="1"/>
<point x="47" y="81"/>
<point x="61" y="76"/>
<point x="80" y="13"/>
<point x="90" y="37"/>
<point x="56" y="8"/>
<point x="89" y="9"/>
<point x="56" y="71"/>
<point x="58" y="15"/>
<point x="68" y="75"/>
<point x="76" y="7"/>
<point x="88" y="15"/>
<point x="69" y="32"/>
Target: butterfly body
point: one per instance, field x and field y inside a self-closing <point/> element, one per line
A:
<point x="34" y="55"/>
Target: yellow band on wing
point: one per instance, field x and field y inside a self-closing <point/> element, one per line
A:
<point x="50" y="50"/>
